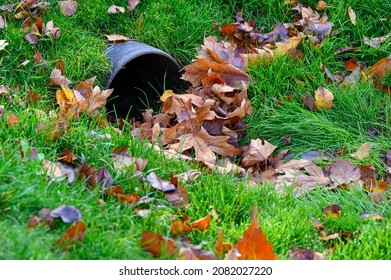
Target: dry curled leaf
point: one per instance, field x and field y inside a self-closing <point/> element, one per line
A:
<point x="201" y="224"/>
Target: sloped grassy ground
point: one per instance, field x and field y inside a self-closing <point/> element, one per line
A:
<point x="178" y="27"/>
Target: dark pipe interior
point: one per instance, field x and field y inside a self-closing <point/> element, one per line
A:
<point x="139" y="85"/>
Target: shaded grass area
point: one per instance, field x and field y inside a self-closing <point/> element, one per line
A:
<point x="113" y="229"/>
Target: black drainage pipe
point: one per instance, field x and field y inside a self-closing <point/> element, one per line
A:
<point x="139" y="75"/>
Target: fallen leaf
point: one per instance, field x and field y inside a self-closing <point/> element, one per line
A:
<point x="323" y="98"/>
<point x="2" y="23"/>
<point x="88" y="174"/>
<point x="195" y="253"/>
<point x="362" y="152"/>
<point x="177" y="197"/>
<point x="321" y="5"/>
<point x="259" y="151"/>
<point x="3" y="44"/>
<point x="116" y="9"/>
<point x="131" y="199"/>
<point x="68" y="214"/>
<point x="160" y="184"/>
<point x="33" y="222"/>
<point x="254" y="244"/>
<point x="74" y="234"/>
<point x="352" y="15"/>
<point x="201" y="224"/>
<point x="343" y="172"/>
<point x="351" y="64"/>
<point x="221" y="246"/>
<point x="56" y="79"/>
<point x="103" y="176"/>
<point x="200" y="68"/>
<point x="116" y="38"/>
<point x="380" y="69"/>
<point x="367" y="216"/>
<point x="304" y="254"/>
<point x="375" y="42"/>
<point x="332" y="211"/>
<point x="51" y="31"/>
<point x="132" y="4"/>
<point x="12" y="120"/>
<point x="68" y="7"/>
<point x="308" y="100"/>
<point x="30" y="37"/>
<point x="205" y="145"/>
<point x="157" y="245"/>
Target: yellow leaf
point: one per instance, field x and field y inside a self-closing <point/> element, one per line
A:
<point x="289" y="44"/>
<point x="166" y="94"/>
<point x="323" y="98"/>
<point x="68" y="93"/>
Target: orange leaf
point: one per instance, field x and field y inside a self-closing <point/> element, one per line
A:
<point x="178" y="227"/>
<point x="254" y="244"/>
<point x="380" y="69"/>
<point x="351" y="64"/>
<point x="200" y="68"/>
<point x="201" y="224"/>
<point x="12" y="120"/>
<point x="132" y="198"/>
<point x="222" y="247"/>
<point x="157" y="245"/>
<point x="74" y="234"/>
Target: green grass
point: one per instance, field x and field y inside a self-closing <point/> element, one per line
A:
<point x="114" y="230"/>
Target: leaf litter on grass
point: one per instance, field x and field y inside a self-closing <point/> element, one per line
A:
<point x="207" y="122"/>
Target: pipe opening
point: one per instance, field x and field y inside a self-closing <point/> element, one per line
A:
<point x="139" y="84"/>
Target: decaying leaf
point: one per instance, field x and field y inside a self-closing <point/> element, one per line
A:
<point x="259" y="151"/>
<point x="112" y="38"/>
<point x="380" y="69"/>
<point x="201" y="224"/>
<point x="304" y="254"/>
<point x="321" y="5"/>
<point x="333" y="210"/>
<point x="68" y="214"/>
<point x="343" y="172"/>
<point x="352" y="15"/>
<point x="57" y="79"/>
<point x="254" y="244"/>
<point x="375" y="42"/>
<point x="68" y="7"/>
<point x="160" y="184"/>
<point x="74" y="234"/>
<point x="116" y="9"/>
<point x="323" y="98"/>
<point x="367" y="216"/>
<point x="362" y="152"/>
<point x="132" y="4"/>
<point x="157" y="245"/>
